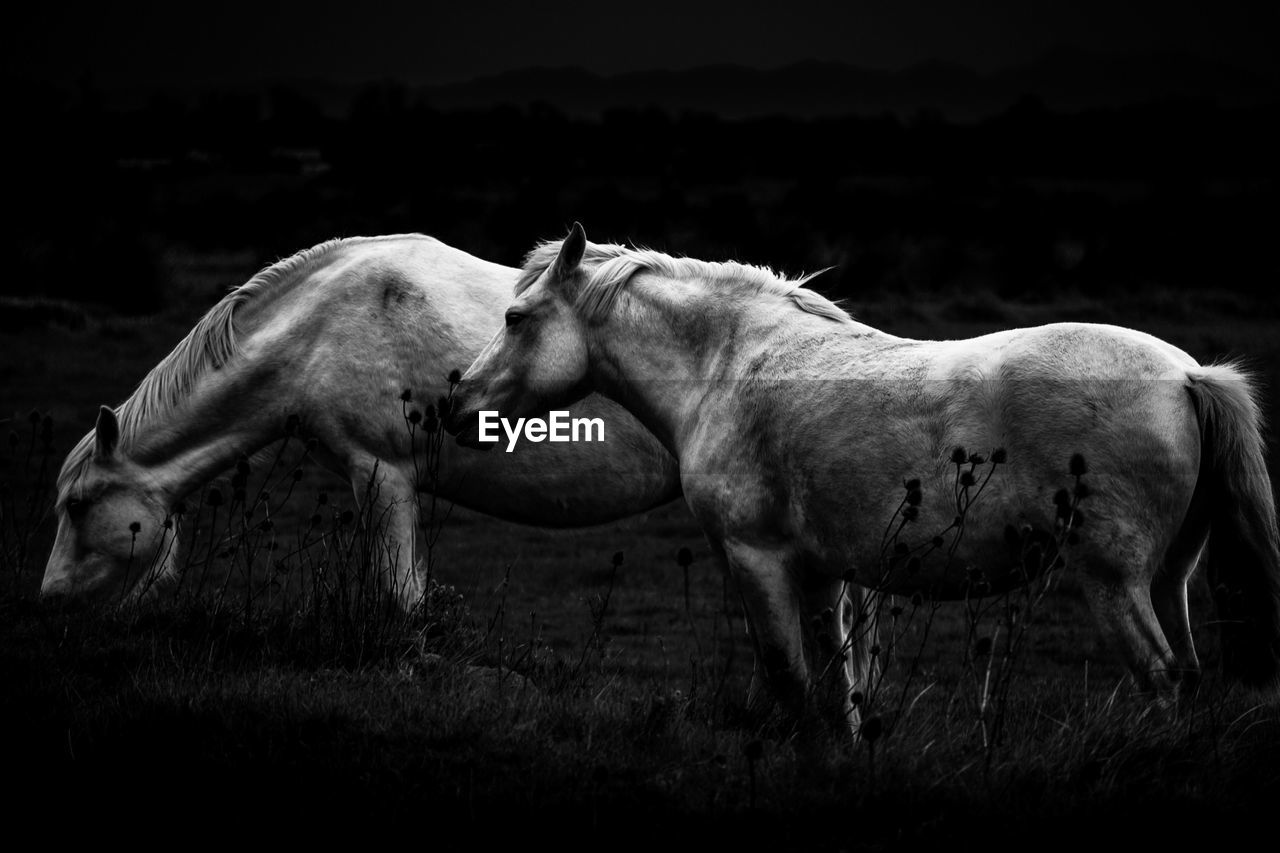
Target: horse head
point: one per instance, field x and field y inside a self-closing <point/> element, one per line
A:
<point x="115" y="533"/>
<point x="539" y="359"/>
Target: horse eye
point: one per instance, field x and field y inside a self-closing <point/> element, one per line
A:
<point x="75" y="506"/>
<point x="514" y="319"/>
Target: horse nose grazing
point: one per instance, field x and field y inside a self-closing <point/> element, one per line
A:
<point x="54" y="591"/>
<point x="459" y="416"/>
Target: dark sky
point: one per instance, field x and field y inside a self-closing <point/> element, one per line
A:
<point x="178" y="43"/>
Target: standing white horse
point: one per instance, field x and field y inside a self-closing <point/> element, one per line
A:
<point x="333" y="335"/>
<point x="795" y="427"/>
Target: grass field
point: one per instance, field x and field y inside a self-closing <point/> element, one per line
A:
<point x="522" y="707"/>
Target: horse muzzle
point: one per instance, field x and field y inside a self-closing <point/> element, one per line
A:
<point x="465" y="428"/>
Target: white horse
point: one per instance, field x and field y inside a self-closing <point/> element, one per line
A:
<point x="333" y="335"/>
<point x="795" y="428"/>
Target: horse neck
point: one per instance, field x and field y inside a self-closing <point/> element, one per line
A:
<point x="220" y="417"/>
<point x="666" y="347"/>
<point x="658" y="357"/>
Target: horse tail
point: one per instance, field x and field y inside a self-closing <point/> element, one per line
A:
<point x="1244" y="542"/>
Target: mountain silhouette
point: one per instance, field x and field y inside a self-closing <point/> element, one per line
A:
<point x="1063" y="78"/>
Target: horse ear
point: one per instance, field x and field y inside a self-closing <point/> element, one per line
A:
<point x="571" y="251"/>
<point x="106" y="432"/>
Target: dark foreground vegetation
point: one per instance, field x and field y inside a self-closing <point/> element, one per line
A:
<point x="177" y="717"/>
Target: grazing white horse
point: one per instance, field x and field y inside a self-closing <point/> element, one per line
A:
<point x="333" y="335"/>
<point x="796" y="427"/>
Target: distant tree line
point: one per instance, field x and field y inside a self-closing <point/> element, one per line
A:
<point x="1175" y="195"/>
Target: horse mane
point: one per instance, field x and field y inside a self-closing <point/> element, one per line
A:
<point x="612" y="267"/>
<point x="209" y="345"/>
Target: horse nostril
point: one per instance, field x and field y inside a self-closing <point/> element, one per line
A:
<point x="452" y="423"/>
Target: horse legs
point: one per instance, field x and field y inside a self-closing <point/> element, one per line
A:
<point x="836" y="653"/>
<point x="1169" y="590"/>
<point x="389" y="509"/>
<point x="861" y="631"/>
<point x="1169" y="598"/>
<point x="767" y="583"/>
<point x="756" y="686"/>
<point x="1125" y="616"/>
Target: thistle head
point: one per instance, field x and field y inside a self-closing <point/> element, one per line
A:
<point x="1077" y="466"/>
<point x="871" y="729"/>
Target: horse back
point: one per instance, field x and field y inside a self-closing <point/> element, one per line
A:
<point x="825" y="459"/>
